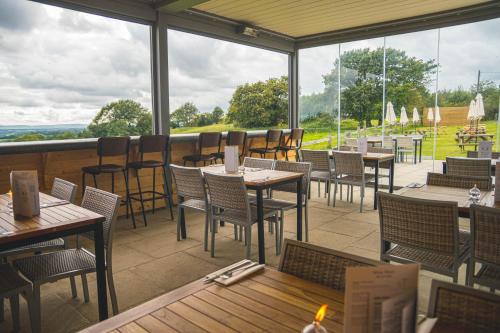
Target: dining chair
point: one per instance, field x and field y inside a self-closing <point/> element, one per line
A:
<point x="293" y="143"/>
<point x="233" y="138"/>
<point x="50" y="267"/>
<point x="352" y="143"/>
<point x="495" y="155"/>
<point x="191" y="194"/>
<point x="11" y="286"/>
<point x="319" y="264"/>
<point x="208" y="140"/>
<point x="485" y="247"/>
<point x="273" y="141"/>
<point x="153" y="144"/>
<point x="405" y="146"/>
<point x="229" y="203"/>
<point x="465" y="182"/>
<point x="464" y="308"/>
<point x="463" y="166"/>
<point x="350" y="170"/>
<point x="422" y="231"/>
<point x="321" y="168"/>
<point x="384" y="165"/>
<point x="388" y="143"/>
<point x="258" y="163"/>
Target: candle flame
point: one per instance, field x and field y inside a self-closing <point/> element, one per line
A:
<point x="321" y="313"/>
<point x="9" y="194"/>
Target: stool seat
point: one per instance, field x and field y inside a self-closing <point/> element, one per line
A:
<point x="103" y="168"/>
<point x="263" y="150"/>
<point x="198" y="158"/>
<point x="145" y="164"/>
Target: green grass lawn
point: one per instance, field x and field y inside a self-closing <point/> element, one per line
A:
<point x="445" y="141"/>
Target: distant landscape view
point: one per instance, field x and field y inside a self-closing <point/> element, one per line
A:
<point x="39" y="132"/>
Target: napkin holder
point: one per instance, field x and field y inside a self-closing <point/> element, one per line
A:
<point x="25" y="194"/>
<point x="363" y="146"/>
<point x="231" y="161"/>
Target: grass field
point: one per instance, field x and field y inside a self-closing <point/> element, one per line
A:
<point x="445" y="141"/>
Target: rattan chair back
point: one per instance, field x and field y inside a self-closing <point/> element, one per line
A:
<point x="464" y="308"/>
<point x="318" y="264"/>
<point x="105" y="204"/>
<point x="261" y="163"/>
<point x="462" y="166"/>
<point x="466" y="182"/>
<point x="485" y="234"/>
<point x="380" y="150"/>
<point x="348" y="163"/>
<point x="319" y="159"/>
<point x="237" y="138"/>
<point x="388" y="143"/>
<point x="189" y="182"/>
<point x="422" y="224"/>
<point x="228" y="192"/>
<point x="299" y="167"/>
<point x="404" y="142"/>
<point x="64" y="190"/>
<point x="294" y="140"/>
<point x="347" y="148"/>
<point x="353" y="142"/>
<point x="474" y="154"/>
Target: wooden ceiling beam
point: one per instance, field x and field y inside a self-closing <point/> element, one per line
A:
<point x="176" y="6"/>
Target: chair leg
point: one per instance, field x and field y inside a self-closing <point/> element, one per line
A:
<point x="362" y="188"/>
<point x="85" y="286"/>
<point x="95" y="181"/>
<point x="282" y="226"/>
<point x="166" y="190"/>
<point x="235" y="232"/>
<point x="179" y="213"/>
<point x="28" y="295"/>
<point x="83" y="183"/>
<point x="341" y="191"/>
<point x="36" y="318"/>
<point x="128" y="201"/>
<point x="306" y="220"/>
<point x="240" y="233"/>
<point x="335" y="193"/>
<point x="2" y="314"/>
<point x="329" y="185"/>
<point x="112" y="290"/>
<point x="141" y="198"/>
<point x="319" y="188"/>
<point x="72" y="282"/>
<point x="212" y="246"/>
<point x="14" y="310"/>
<point x="470" y="272"/>
<point x="154" y="189"/>
<point x="248" y="237"/>
<point x="352" y="193"/>
<point x="277" y="235"/>
<point x="205" y="238"/>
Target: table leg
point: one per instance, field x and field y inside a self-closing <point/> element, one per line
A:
<point x="375" y="186"/>
<point x="260" y="227"/>
<point x="444" y="167"/>
<point x="299" y="209"/>
<point x="420" y="155"/>
<point x="182" y="219"/>
<point x="391" y="177"/>
<point x="415" y="152"/>
<point x="100" y="272"/>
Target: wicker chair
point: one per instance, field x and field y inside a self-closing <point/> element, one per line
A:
<point x="382" y="165"/>
<point x="208" y="140"/>
<point x="284" y="205"/>
<point x="321" y="168"/>
<point x="463" y="308"/>
<point x="350" y="170"/>
<point x="233" y="138"/>
<point x="422" y="231"/>
<point x="62" y="190"/>
<point x="495" y="155"/>
<point x="11" y="286"/>
<point x="258" y="163"/>
<point x="318" y="264"/>
<point x="229" y="203"/>
<point x="465" y="182"/>
<point x="191" y="194"/>
<point x="294" y="142"/>
<point x="54" y="266"/>
<point x="475" y="167"/>
<point x="405" y="146"/>
<point x="485" y="249"/>
<point x="273" y="141"/>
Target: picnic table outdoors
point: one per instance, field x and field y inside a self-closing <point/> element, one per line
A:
<point x="57" y="219"/>
<point x="466" y="139"/>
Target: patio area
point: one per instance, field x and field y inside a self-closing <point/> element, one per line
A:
<point x="150" y="261"/>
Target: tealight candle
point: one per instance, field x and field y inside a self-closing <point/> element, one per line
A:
<point x="315" y="326"/>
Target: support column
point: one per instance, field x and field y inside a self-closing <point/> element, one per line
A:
<point x="160" y="87"/>
<point x="293" y="89"/>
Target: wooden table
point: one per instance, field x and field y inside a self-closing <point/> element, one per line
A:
<point x="417" y="141"/>
<point x="60" y="220"/>
<point x="460" y="195"/>
<point x="374" y="160"/>
<point x="267" y="301"/>
<point x="260" y="180"/>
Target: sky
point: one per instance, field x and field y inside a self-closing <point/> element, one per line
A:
<point x="59" y="66"/>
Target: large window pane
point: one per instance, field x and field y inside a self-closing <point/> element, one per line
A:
<point x="217" y="85"/>
<point x="318" y="103"/>
<point x="66" y="74"/>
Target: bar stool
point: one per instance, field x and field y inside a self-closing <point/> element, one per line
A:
<point x="234" y="138"/>
<point x="294" y="142"/>
<point x="273" y="140"/>
<point x="111" y="147"/>
<point x="205" y="140"/>
<point x="152" y="144"/>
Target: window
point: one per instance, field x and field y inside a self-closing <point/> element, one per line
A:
<point x="67" y="74"/>
<point x="218" y="86"/>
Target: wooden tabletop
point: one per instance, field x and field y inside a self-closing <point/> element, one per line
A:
<point x="443" y="193"/>
<point x="373" y="156"/>
<point x="51" y="219"/>
<point x="256" y="176"/>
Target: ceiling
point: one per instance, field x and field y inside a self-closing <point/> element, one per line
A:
<point x="300" y="18"/>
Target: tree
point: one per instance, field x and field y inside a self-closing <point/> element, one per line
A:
<point x="260" y="104"/>
<point x="217" y="114"/>
<point x="184" y="116"/>
<point x="120" y="118"/>
<point x="30" y="137"/>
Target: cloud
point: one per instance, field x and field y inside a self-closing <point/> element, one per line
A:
<point x="19" y="15"/>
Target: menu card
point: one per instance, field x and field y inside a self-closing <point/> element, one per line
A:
<point x="231" y="161"/>
<point x="381" y="299"/>
<point x="363" y="146"/>
<point x="484" y="150"/>
<point x="497" y="182"/>
<point x="25" y="194"/>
